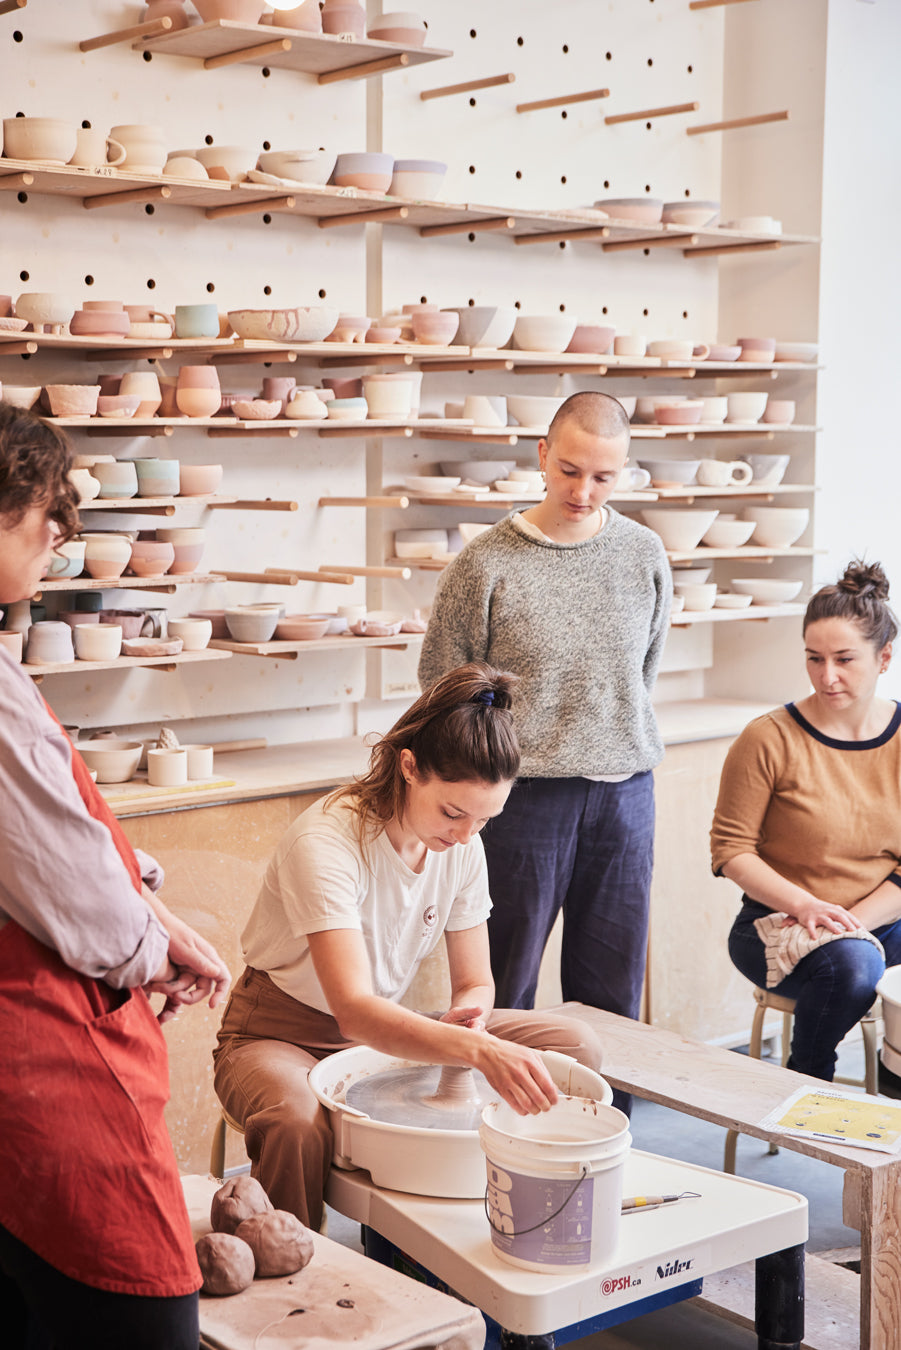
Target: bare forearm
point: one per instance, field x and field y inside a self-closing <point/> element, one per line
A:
<point x="395" y="1030"/>
<point x="761" y="883"/>
<point x="881" y="906"/>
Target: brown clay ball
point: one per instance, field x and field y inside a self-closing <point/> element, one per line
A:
<point x="226" y="1263"/>
<point x="236" y="1201"/>
<point x="279" y="1242"/>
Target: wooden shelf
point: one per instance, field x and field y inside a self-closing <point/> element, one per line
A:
<point x="689" y="494"/>
<point x="640" y="496"/>
<point x="124" y="663"/>
<point x="289" y="651"/>
<point x="166" y="584"/>
<point x="686" y="618"/>
<point x="746" y="553"/>
<point x="309" y="54"/>
<point x="152" y="506"/>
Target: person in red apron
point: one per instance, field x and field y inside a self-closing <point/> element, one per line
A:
<point x="95" y="1244"/>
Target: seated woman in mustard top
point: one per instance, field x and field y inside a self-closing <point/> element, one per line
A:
<point x="808" y="824"/>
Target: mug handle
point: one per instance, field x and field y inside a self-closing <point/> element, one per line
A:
<point x="742" y="473"/>
<point x="701" y="351"/>
<point x="147" y="626"/>
<point x="118" y="148"/>
<point x="640" y="478"/>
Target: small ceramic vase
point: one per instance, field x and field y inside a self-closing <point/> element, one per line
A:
<point x="188" y="542"/>
<point x="344" y="16"/>
<point x="279" y="387"/>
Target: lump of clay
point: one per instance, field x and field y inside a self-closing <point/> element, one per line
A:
<point x="236" y="1201"/>
<point x="226" y="1263"/>
<point x="279" y="1242"/>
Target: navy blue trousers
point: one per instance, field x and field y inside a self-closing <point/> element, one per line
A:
<point x="586" y="848"/>
<point x="834" y="986"/>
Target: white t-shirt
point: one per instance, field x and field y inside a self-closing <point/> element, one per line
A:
<point x="319" y="880"/>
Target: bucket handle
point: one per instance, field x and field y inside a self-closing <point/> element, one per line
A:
<point x="519" y="1232"/>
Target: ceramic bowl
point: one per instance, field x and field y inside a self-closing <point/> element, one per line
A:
<point x="185" y="166"/>
<point x="195" y="633"/>
<point x="543" y="332"/>
<point x="696" y="595"/>
<point x="639" y="210"/>
<point x="698" y="574"/>
<point x="777" y="526"/>
<point x="229" y="162"/>
<point x="402" y="27"/>
<point x="257" y="409"/>
<point x="720" y="351"/>
<point x="112" y="760"/>
<point x="236" y="11"/>
<point x="300" y="166"/>
<point x="683" y="413"/>
<point x="714" y="409"/>
<point x="151" y="557"/>
<point x="216" y="618"/>
<point x="768" y="469"/>
<point x="106" y="554"/>
<point x="515" y="487"/>
<point x="21" y="395"/>
<point x="482" y="471"/>
<point x="344" y="386"/>
<point x="679" y="530"/>
<point x="193" y="402"/>
<point x="533" y="410"/>
<point x="437" y="328"/>
<point x="766" y="590"/>
<point x="97" y="641"/>
<point x="116" y="478"/>
<point x="118" y="405"/>
<point x="49" y="642"/>
<point x="746" y="406"/>
<point x="630" y="345"/>
<point x="730" y="600"/>
<point x="301" y="627"/>
<point x="779" y="410"/>
<point x="246" y="623"/>
<point x="73" y="400"/>
<point x="422" y="178"/>
<point x="754" y="225"/>
<point x="45" y="309"/>
<point x="67" y="560"/>
<point x="728" y="533"/>
<point x="49" y="140"/>
<point x="592" y="338"/>
<point x="100" y="323"/>
<point x="485" y="325"/>
<point x="387" y="398"/>
<point x="385" y="336"/>
<point x="670" y="472"/>
<point x="428" y="483"/>
<point x="188" y="542"/>
<point x="146" y="384"/>
<point x="419" y="543"/>
<point x="678" y="349"/>
<point x="796" y="351"/>
<point x="199" y="480"/>
<point x="347" y="410"/>
<point x="693" y="214"/>
<point x="364" y="169"/>
<point x="311" y="323"/>
<point x="758" y="349"/>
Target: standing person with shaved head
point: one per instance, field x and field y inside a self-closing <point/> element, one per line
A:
<point x="575" y="599"/>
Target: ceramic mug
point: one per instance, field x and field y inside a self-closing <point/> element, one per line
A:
<point x="722" y="473"/>
<point x="167" y="768"/>
<point x="200" y="760"/>
<point x="631" y="478"/>
<point x="93" y="149"/>
<point x="133" y="622"/>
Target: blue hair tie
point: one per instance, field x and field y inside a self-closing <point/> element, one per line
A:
<point x="486" y="697"/>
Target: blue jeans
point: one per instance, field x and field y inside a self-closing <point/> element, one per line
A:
<point x="586" y="848"/>
<point x="833" y="986"/>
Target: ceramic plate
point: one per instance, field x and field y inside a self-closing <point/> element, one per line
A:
<point x="270" y="180"/>
<point x="10" y="325"/>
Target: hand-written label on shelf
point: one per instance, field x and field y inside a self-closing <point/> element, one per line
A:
<point x="346" y="37"/>
<point x="104" y="171"/>
<point x="347" y="192"/>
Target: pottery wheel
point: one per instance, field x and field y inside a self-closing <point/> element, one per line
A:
<point x="426" y="1096"/>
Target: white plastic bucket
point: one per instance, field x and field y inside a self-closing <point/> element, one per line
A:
<point x="889" y="989"/>
<point x="555" y="1183"/>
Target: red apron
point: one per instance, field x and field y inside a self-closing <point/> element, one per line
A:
<point x="88" y="1177"/>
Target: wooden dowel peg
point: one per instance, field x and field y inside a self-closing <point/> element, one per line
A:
<point x="16" y="180"/>
<point x="154" y="28"/>
<point x="365" y="69"/>
<point x="565" y="236"/>
<point x="7" y="6"/>
<point x="709" y="250"/>
<point x="248" y="54"/>
<point x="339" y="432"/>
<point x="226" y="433"/>
<point x="400" y="502"/>
<point x="657" y="241"/>
<point x="399" y="358"/>
<point x="562" y="100"/>
<point x="159" y="193"/>
<point x="467" y="86"/>
<point x="273" y="576"/>
<point x="393" y="573"/>
<point x="713" y="4"/>
<point x="26" y="348"/>
<point x="755" y="121"/>
<point x="375" y="216"/>
<point x="134" y="354"/>
<point x="250" y="208"/>
<point x="334" y="578"/>
<point x="469" y="227"/>
<point x="267" y="505"/>
<point x="646" y="114"/>
<point x="148" y="429"/>
<point x="500" y="362"/>
<point x="265" y="356"/>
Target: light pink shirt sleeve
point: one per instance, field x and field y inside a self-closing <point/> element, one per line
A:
<point x="61" y="876"/>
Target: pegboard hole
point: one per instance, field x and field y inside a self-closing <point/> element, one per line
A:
<point x="208" y="139"/>
<point x="519" y="173"/>
<point x="22" y="197"/>
<point x="517" y="304"/>
<point x="562" y="243"/>
<point x="472" y="168"/>
<point x="423" y="299"/>
<point x="267" y="219"/>
<point x="473" y="33"/>
<point x="564" y="115"/>
<point x="647" y="126"/>
<point x="604" y="310"/>
<point x="149" y="209"/>
<point x="650" y="60"/>
<point x="565" y="48"/>
<point x="267" y="145"/>
<point x="471" y="237"/>
<point x="606" y="182"/>
<point x="690" y="69"/>
<point x="471" y="303"/>
<point x="266" y="72"/>
<point x="562" y="309"/>
<point x="210" y="287"/>
<point x="520" y="42"/>
<point x="86" y="125"/>
<point x="647" y="187"/>
<point x="267" y="290"/>
<point x="472" y="103"/>
<point x="17" y="36"/>
<point x="148" y="56"/>
<point x="685" y="314"/>
<point x="24" y="276"/>
<point x="608" y="56"/>
<point x="322" y="292"/>
<point x="89" y="280"/>
<point x="151" y="284"/>
<point x="563" y="178"/>
<point x="688" y="192"/>
<point x="645" y="312"/>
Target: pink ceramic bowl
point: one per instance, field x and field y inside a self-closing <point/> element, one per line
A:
<point x="199" y="480"/>
<point x="151" y="558"/>
<point x="721" y="352"/>
<point x="100" y="323"/>
<point x="301" y="628"/>
<point x="435" y="327"/>
<point x="679" y="414"/>
<point x="591" y="338"/>
<point x="216" y="618"/>
<point x="73" y="400"/>
<point x="118" y="405"/>
<point x="366" y="170"/>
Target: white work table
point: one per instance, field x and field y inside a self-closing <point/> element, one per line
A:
<point x="659" y="1250"/>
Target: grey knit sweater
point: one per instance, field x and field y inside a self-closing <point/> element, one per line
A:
<point x="582" y="625"/>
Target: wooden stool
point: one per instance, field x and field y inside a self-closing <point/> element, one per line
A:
<point x="766" y="1000"/>
<point x="217" y="1147"/>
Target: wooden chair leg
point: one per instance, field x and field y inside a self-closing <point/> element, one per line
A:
<point x="729" y="1155"/>
<point x="217" y="1148"/>
<point x="870" y="1054"/>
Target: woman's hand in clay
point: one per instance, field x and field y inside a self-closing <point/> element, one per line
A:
<point x="465" y="1017"/>
<point x="518" y="1074"/>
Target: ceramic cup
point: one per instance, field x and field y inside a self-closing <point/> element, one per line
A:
<point x="630" y="344"/>
<point x="200" y="760"/>
<point x="133" y="622"/>
<point x="631" y="478"/>
<point x="195" y="635"/>
<point x="197" y="321"/>
<point x="94" y="149"/>
<point x="720" y="473"/>
<point x="167" y="768"/>
<point x="12" y="644"/>
<point x="145" y="147"/>
<point x="97" y="641"/>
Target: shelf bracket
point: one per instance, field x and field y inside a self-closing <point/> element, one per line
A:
<point x="399" y="358"/>
<point x="230" y="433"/>
<point x="11" y="181"/>
<point x="391" y="573"/>
<point x="469" y="227"/>
<point x="250" y="208"/>
<point x="365" y="69"/>
<point x="159" y="193"/>
<point x="337" y="432"/>
<point x="260" y="49"/>
<point x="10" y="6"/>
<point x="153" y="28"/>
<point x="375" y="216"/>
<point x="24" y="348"/>
<point x="709" y="250"/>
<point x="336" y="578"/>
<point x="146" y="430"/>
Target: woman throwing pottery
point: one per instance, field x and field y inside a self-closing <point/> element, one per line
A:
<point x="808" y="824"/>
<point x="574" y="598"/>
<point x="95" y="1244"/>
<point x="361" y="889"/>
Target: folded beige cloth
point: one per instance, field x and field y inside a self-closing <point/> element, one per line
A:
<point x="786" y="946"/>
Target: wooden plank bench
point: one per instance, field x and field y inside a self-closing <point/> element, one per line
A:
<point x="736" y="1092"/>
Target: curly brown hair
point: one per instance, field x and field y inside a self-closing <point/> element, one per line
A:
<point x="35" y="459"/>
<point x="460" y="729"/>
<point x="861" y="595"/>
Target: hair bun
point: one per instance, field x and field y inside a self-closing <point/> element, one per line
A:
<point x="866" y="580"/>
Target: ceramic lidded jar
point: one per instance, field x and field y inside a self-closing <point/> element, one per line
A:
<point x="344" y="16"/>
<point x="197" y="393"/>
